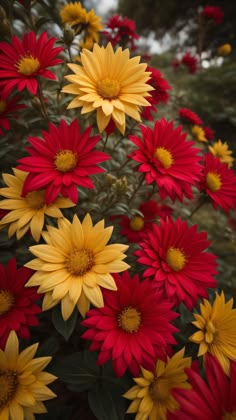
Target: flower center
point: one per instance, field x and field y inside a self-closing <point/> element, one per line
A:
<point x="28" y="65"/>
<point x="213" y="181"/>
<point x="3" y="106"/>
<point x="6" y="302"/>
<point x="136" y="223"/>
<point x="175" y="259"/>
<point x="36" y="199"/>
<point x="159" y="389"/>
<point x="80" y="261"/>
<point x="164" y="156"/>
<point x="108" y="88"/>
<point x="229" y="416"/>
<point x="65" y="160"/>
<point x="210" y="332"/>
<point x="129" y="319"/>
<point x="8" y="386"/>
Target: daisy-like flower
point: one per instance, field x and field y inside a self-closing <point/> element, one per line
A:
<point x="224" y="50"/>
<point x="190" y="117"/>
<point x="167" y="158"/>
<point x="210" y="399"/>
<point x="213" y="13"/>
<point x="74" y="14"/>
<point x="74" y="263"/>
<point x="190" y="61"/>
<point x="17" y="304"/>
<point x="8" y="106"/>
<point x="198" y="133"/>
<point x="133" y="328"/>
<point x="152" y="395"/>
<point x="121" y="30"/>
<point x="219" y="183"/>
<point x="93" y="26"/>
<point x="27" y="212"/>
<point x="216" y="333"/>
<point x="134" y="227"/>
<point x="159" y="94"/>
<point x="112" y="90"/>
<point x="222" y="151"/>
<point x="23" y="383"/>
<point x="177" y="261"/>
<point x="64" y="160"/>
<point x="21" y="62"/>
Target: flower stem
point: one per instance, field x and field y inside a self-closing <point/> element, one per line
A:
<point x="43" y="108"/>
<point x="136" y="189"/>
<point x="202" y="201"/>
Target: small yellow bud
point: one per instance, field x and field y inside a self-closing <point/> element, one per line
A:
<point x="224" y="50"/>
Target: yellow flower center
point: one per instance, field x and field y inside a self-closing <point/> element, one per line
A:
<point x="65" y="160"/>
<point x="136" y="223"/>
<point x="36" y="199"/>
<point x="164" y="156"/>
<point x="159" y="390"/>
<point x="210" y="332"/>
<point x="108" y="88"/>
<point x="129" y="319"/>
<point x="80" y="261"/>
<point x="3" y="106"/>
<point x="8" y="386"/>
<point x="229" y="416"/>
<point x="28" y="65"/>
<point x="6" y="301"/>
<point x="213" y="181"/>
<point x="175" y="259"/>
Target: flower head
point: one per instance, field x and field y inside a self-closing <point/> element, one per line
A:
<point x="216" y="333"/>
<point x="73" y="13"/>
<point x="8" y="106"/>
<point x="74" y="263"/>
<point x="167" y="158"/>
<point x="23" y="61"/>
<point x="219" y="183"/>
<point x="112" y="91"/>
<point x="190" y="61"/>
<point x="64" y="160"/>
<point x="159" y="94"/>
<point x="23" y="383"/>
<point x="121" y="30"/>
<point x="224" y="50"/>
<point x="152" y="395"/>
<point x="198" y="133"/>
<point x="210" y="399"/>
<point x="190" y="117"/>
<point x="209" y="133"/>
<point x="92" y="26"/>
<point x="177" y="261"/>
<point x="133" y="328"/>
<point x="27" y="212"/>
<point x="17" y="304"/>
<point x="213" y="13"/>
<point x="222" y="151"/>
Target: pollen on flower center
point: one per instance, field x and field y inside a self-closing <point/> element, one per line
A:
<point x="36" y="199"/>
<point x="164" y="156"/>
<point x="3" y="106"/>
<point x="136" y="223"/>
<point x="129" y="319"/>
<point x="28" y="65"/>
<point x="108" y="88"/>
<point x="65" y="160"/>
<point x="8" y="386"/>
<point x="213" y="181"/>
<point x="210" y="332"/>
<point x="6" y="301"/>
<point x="159" y="389"/>
<point x="175" y="258"/>
<point x="80" y="261"/>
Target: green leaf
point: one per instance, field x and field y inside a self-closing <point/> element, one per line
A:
<point x="106" y="402"/>
<point x="65" y="328"/>
<point x="56" y="413"/>
<point x="49" y="347"/>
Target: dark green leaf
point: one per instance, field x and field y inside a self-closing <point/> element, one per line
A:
<point x="49" y="347"/>
<point x="65" y="328"/>
<point x="106" y="402"/>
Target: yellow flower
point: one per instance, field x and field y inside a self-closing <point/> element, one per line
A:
<point x="224" y="50"/>
<point x="217" y="330"/>
<point x="85" y="43"/>
<point x="75" y="263"/>
<point x="222" y="151"/>
<point x="27" y="212"/>
<point x="110" y="83"/>
<point x="93" y="26"/>
<point x="23" y="382"/>
<point x="74" y="14"/>
<point x="198" y="133"/>
<point x="152" y="395"/>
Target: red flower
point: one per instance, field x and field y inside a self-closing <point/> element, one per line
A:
<point x="62" y="161"/>
<point x="133" y="328"/>
<point x="159" y="94"/>
<point x="120" y="31"/>
<point x="21" y="62"/>
<point x="175" y="63"/>
<point x="8" y="106"/>
<point x="177" y="261"/>
<point x="168" y="159"/>
<point x="190" y="62"/>
<point x="213" y="12"/>
<point x="17" y="303"/>
<point x="212" y="398"/>
<point x="135" y="227"/>
<point x="189" y="116"/>
<point x="219" y="182"/>
<point x="209" y="133"/>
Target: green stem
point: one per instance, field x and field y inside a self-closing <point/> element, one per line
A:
<point x="43" y="108"/>
<point x="136" y="189"/>
<point x="202" y="201"/>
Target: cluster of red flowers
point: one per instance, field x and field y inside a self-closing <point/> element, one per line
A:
<point x="188" y="60"/>
<point x="121" y="31"/>
<point x="213" y="13"/>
